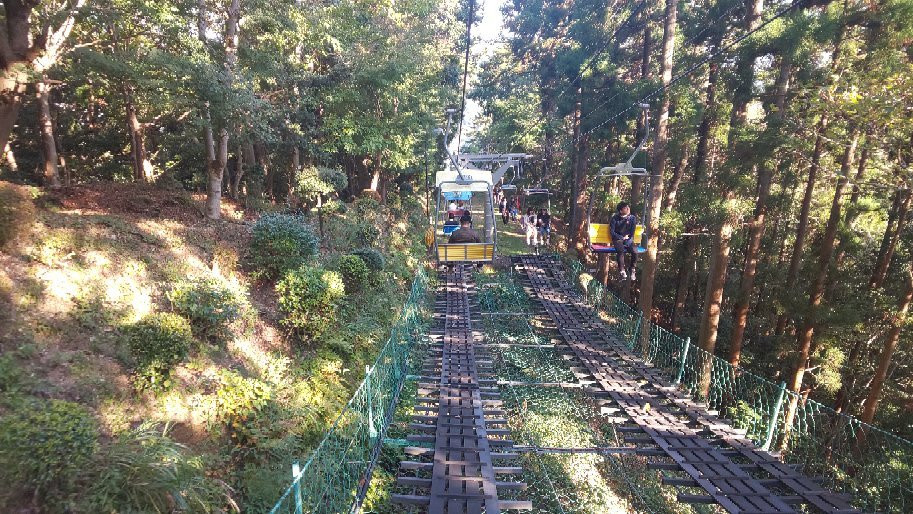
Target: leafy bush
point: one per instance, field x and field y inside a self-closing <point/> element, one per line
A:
<point x="10" y="374"/>
<point x="43" y="446"/>
<point x="209" y="305"/>
<point x="17" y="212"/>
<point x="238" y="401"/>
<point x="365" y="234"/>
<point x="355" y="273"/>
<point x="365" y="206"/>
<point x="318" y="180"/>
<point x="373" y="258"/>
<point x="144" y="470"/>
<point x="309" y="298"/>
<point x="279" y="243"/>
<point x="158" y="342"/>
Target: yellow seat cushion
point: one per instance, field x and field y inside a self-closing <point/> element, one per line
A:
<point x="458" y="252"/>
<point x="601" y="234"/>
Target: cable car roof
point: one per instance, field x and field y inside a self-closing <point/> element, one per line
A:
<point x="468" y="179"/>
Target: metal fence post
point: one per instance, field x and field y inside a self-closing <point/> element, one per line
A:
<point x="772" y="424"/>
<point x="372" y="430"/>
<point x="681" y="367"/>
<point x="296" y="480"/>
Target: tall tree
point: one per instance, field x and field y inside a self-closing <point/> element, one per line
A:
<point x="660" y="153"/>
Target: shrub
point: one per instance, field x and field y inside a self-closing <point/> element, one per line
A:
<point x="365" y="234"/>
<point x="318" y="180"/>
<point x="365" y="206"/>
<point x="144" y="470"/>
<point x="309" y="298"/>
<point x="280" y="242"/>
<point x="209" y="305"/>
<point x="373" y="258"/>
<point x="17" y="212"/>
<point x="158" y="342"/>
<point x="238" y="402"/>
<point x="44" y="445"/>
<point x="354" y="271"/>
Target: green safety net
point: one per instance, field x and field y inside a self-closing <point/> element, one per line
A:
<point x="874" y="466"/>
<point x="335" y="476"/>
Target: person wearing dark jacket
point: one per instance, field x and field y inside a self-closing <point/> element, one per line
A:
<point x="622" y="227"/>
<point x="465" y="234"/>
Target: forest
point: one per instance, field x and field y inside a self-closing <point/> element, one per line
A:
<point x="212" y="212"/>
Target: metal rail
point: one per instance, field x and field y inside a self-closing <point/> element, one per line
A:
<point x="458" y="475"/>
<point x="732" y="471"/>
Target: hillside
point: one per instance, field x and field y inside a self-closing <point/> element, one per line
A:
<point x="251" y="391"/>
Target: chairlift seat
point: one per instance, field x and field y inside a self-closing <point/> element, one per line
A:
<point x="450" y="229"/>
<point x="601" y="238"/>
<point x="465" y="252"/>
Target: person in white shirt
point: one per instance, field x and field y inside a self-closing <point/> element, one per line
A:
<point x="529" y="223"/>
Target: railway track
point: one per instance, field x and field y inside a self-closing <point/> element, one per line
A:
<point x="462" y="446"/>
<point x="678" y="434"/>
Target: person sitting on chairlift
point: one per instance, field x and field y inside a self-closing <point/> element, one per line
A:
<point x="465" y="234"/>
<point x="622" y="226"/>
<point x="505" y="210"/>
<point x="452" y="206"/>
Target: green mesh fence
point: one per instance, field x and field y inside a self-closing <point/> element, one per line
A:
<point x="874" y="466"/>
<point x="334" y="477"/>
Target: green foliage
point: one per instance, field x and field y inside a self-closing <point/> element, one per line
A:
<point x="355" y="273"/>
<point x="373" y="258"/>
<point x="144" y="470"/>
<point x="158" y="343"/>
<point x="210" y="305"/>
<point x="17" y="212"/>
<point x="10" y="374"/>
<point x="43" y="447"/>
<point x="309" y="297"/>
<point x="279" y="243"/>
<point x="312" y="180"/>
<point x="238" y="402"/>
<point x="364" y="233"/>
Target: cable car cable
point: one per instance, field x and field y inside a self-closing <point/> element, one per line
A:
<point x="695" y="67"/>
<point x="472" y="5"/>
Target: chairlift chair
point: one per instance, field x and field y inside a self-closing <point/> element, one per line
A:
<point x="599" y="235"/>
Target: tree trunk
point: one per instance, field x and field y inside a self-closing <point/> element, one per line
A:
<point x="716" y="281"/>
<point x="678" y="173"/>
<point x="578" y="226"/>
<point x="746" y="287"/>
<point x="48" y="144"/>
<point x="889" y="241"/>
<point x="10" y="158"/>
<point x="756" y="228"/>
<point x="795" y="259"/>
<point x="816" y="288"/>
<point x="884" y="360"/>
<point x="142" y="168"/>
<point x="646" y="50"/>
<point x="660" y="150"/>
<point x="707" y="119"/>
<point x="744" y="75"/>
<point x="572" y="204"/>
<point x="235" y="189"/>
<point x="689" y="249"/>
<point x="217" y="154"/>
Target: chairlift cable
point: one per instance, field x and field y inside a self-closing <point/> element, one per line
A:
<point x="469" y="20"/>
<point x="710" y="56"/>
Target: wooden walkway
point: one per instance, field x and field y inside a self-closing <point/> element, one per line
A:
<point x="679" y="434"/>
<point x="458" y="409"/>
